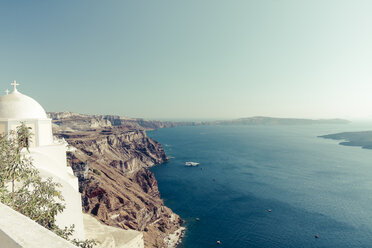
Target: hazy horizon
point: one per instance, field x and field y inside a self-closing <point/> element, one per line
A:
<point x="352" y="120"/>
<point x="207" y="59"/>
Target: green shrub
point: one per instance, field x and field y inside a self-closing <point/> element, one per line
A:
<point x="39" y="199"/>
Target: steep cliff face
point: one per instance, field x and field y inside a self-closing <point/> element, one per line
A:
<point x="116" y="186"/>
<point x="126" y="151"/>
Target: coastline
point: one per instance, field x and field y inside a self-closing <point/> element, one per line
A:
<point x="117" y="187"/>
<point x="361" y="139"/>
<point x="120" y="189"/>
<point x="174" y="239"/>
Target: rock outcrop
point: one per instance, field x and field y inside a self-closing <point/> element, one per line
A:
<point x="111" y="162"/>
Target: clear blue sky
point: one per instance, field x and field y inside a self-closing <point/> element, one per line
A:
<point x="192" y="58"/>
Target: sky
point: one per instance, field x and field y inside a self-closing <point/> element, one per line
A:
<point x="173" y="59"/>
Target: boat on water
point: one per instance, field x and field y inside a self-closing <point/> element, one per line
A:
<point x="191" y="164"/>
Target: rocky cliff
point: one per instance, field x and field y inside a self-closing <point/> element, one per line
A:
<point x="111" y="161"/>
<point x="68" y="121"/>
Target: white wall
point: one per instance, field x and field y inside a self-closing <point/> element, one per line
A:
<point x="51" y="162"/>
<point x="110" y="237"/>
<point x="19" y="231"/>
<point x="45" y="136"/>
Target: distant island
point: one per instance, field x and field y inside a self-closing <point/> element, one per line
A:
<point x="261" y="120"/>
<point x="79" y="121"/>
<point x="362" y="139"/>
<point x="256" y="120"/>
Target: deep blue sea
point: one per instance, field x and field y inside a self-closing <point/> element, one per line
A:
<point x="312" y="185"/>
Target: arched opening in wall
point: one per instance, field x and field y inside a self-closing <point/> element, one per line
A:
<point x="24" y="136"/>
<point x="24" y="141"/>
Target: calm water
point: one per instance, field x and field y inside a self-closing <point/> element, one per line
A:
<point x="312" y="185"/>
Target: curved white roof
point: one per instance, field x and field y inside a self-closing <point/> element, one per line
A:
<point x="18" y="106"/>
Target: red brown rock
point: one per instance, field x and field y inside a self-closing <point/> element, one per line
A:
<point x="117" y="188"/>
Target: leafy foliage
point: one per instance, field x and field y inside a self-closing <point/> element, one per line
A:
<point x="22" y="188"/>
<point x="89" y="243"/>
<point x="40" y="200"/>
<point x="15" y="165"/>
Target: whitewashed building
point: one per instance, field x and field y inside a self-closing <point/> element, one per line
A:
<point x="48" y="157"/>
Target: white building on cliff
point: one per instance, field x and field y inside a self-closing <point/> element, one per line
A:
<point x="49" y="157"/>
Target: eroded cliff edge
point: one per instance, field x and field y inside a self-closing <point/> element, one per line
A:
<point x="111" y="156"/>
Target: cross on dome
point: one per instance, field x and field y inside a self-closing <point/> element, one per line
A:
<point x="15" y="84"/>
<point x="17" y="106"/>
<point x="7" y="92"/>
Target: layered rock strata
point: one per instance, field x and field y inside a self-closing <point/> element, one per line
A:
<point x="111" y="163"/>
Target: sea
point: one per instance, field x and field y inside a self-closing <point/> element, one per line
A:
<point x="267" y="186"/>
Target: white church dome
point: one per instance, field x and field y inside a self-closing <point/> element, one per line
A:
<point x="18" y="106"/>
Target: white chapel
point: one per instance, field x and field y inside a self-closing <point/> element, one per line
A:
<point x="48" y="157"/>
